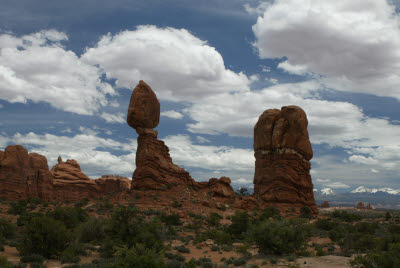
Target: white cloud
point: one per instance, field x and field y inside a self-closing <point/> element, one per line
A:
<point x="201" y="139"/>
<point x="338" y="185"/>
<point x="37" y="67"/>
<point x="113" y="118"/>
<point x="91" y="151"/>
<point x="354" y="45"/>
<point x="362" y="159"/>
<point x="172" y="114"/>
<point x="175" y="63"/>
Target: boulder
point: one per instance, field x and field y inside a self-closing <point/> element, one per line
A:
<point x="218" y="187"/>
<point x="282" y="151"/>
<point x="144" y="107"/>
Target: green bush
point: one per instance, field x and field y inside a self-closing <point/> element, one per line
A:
<point x="138" y="256"/>
<point x="44" y="236"/>
<point x="32" y="258"/>
<point x="306" y="213"/>
<point x="182" y="249"/>
<point x="92" y="230"/>
<point x="345" y="216"/>
<point x="7" y="229"/>
<point x="4" y="263"/>
<point x="280" y="237"/>
<point x="213" y="219"/>
<point x="128" y="227"/>
<point x="70" y="216"/>
<point x="171" y="219"/>
<point x="17" y="207"/>
<point x="325" y="224"/>
<point x="26" y="217"/>
<point x="240" y="223"/>
<point x="381" y="259"/>
<point x="269" y="212"/>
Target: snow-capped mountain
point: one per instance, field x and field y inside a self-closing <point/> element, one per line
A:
<point x="363" y="189"/>
<point x="328" y="191"/>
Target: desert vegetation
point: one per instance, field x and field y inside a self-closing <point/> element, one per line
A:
<point x="97" y="234"/>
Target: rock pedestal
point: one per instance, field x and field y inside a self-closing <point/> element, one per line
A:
<point x="282" y="151"/>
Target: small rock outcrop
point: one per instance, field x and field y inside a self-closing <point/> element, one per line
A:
<point x="218" y="187"/>
<point x="360" y="205"/>
<point x="154" y="167"/>
<point x="23" y="175"/>
<point x="369" y="206"/>
<point x="282" y="151"/>
<point x="325" y="204"/>
<point x="113" y="184"/>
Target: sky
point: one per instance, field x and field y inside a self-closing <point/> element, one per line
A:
<point x="68" y="68"/>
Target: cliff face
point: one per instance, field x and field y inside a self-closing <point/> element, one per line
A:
<point x="23" y="175"/>
<point x="282" y="151"/>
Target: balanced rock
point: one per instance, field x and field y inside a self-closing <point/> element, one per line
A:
<point x="282" y="151"/>
<point x="144" y="108"/>
<point x="154" y="167"/>
<point x="24" y="175"/>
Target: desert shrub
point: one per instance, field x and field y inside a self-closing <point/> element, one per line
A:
<point x="213" y="219"/>
<point x="176" y="204"/>
<point x="138" y="256"/>
<point x="70" y="216"/>
<point x="17" y="207"/>
<point x="337" y="233"/>
<point x="7" y="228"/>
<point x="171" y="219"/>
<point x="325" y="224"/>
<point x="306" y="213"/>
<point x="82" y="203"/>
<point x="92" y="230"/>
<point x="345" y="216"/>
<point x="269" y="212"/>
<point x="388" y="216"/>
<point x="280" y="237"/>
<point x="381" y="259"/>
<point x="44" y="236"/>
<point x="4" y="263"/>
<point x="240" y="223"/>
<point x="130" y="228"/>
<point x="32" y="258"/>
<point x="26" y="217"/>
<point x="204" y="262"/>
<point x="182" y="249"/>
<point x="69" y="255"/>
<point x="366" y="227"/>
<point x="107" y="248"/>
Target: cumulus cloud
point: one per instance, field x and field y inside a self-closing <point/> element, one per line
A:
<point x="37" y="67"/>
<point x="172" y="114"/>
<point x="174" y="62"/>
<point x="349" y="45"/>
<point x="113" y="118"/>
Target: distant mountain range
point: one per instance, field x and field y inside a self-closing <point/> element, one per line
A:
<point x="378" y="197"/>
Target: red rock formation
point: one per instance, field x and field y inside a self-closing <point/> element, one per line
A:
<point x="113" y="184"/>
<point x="282" y="151"/>
<point x="325" y="204"/>
<point x="154" y="167"/>
<point x="360" y="205"/>
<point x="218" y="188"/>
<point x="368" y="206"/>
<point x="23" y="175"/>
<point x="71" y="184"/>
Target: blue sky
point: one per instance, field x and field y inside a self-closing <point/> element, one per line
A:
<point x="67" y="70"/>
